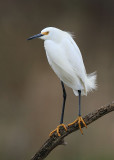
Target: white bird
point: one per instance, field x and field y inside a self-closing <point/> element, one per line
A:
<point x="66" y="60"/>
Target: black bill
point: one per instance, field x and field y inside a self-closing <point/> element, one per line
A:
<point x="35" y="36"/>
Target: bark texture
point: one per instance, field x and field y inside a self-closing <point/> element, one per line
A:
<point x="55" y="140"/>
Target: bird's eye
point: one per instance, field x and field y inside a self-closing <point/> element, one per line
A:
<point x="47" y="32"/>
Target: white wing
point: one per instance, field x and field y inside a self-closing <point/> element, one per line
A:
<point x="74" y="57"/>
<point x="58" y="61"/>
<point x="66" y="60"/>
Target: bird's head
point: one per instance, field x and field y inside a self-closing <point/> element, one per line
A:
<point x="49" y="33"/>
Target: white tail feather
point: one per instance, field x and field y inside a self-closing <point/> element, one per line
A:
<point x="89" y="85"/>
<point x="91" y="82"/>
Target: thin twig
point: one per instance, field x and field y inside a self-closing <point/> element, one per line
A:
<point x="55" y="140"/>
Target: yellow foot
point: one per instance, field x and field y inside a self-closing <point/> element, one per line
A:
<point x="79" y="120"/>
<point x="57" y="129"/>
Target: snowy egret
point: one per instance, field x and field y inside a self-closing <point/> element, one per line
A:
<point x="66" y="60"/>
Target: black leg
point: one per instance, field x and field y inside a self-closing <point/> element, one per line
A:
<point x="79" y="119"/>
<point x="79" y="91"/>
<point x="64" y="100"/>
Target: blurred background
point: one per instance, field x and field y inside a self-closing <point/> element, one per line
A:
<point x="30" y="92"/>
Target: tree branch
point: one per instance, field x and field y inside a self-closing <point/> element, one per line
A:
<point x="55" y="140"/>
